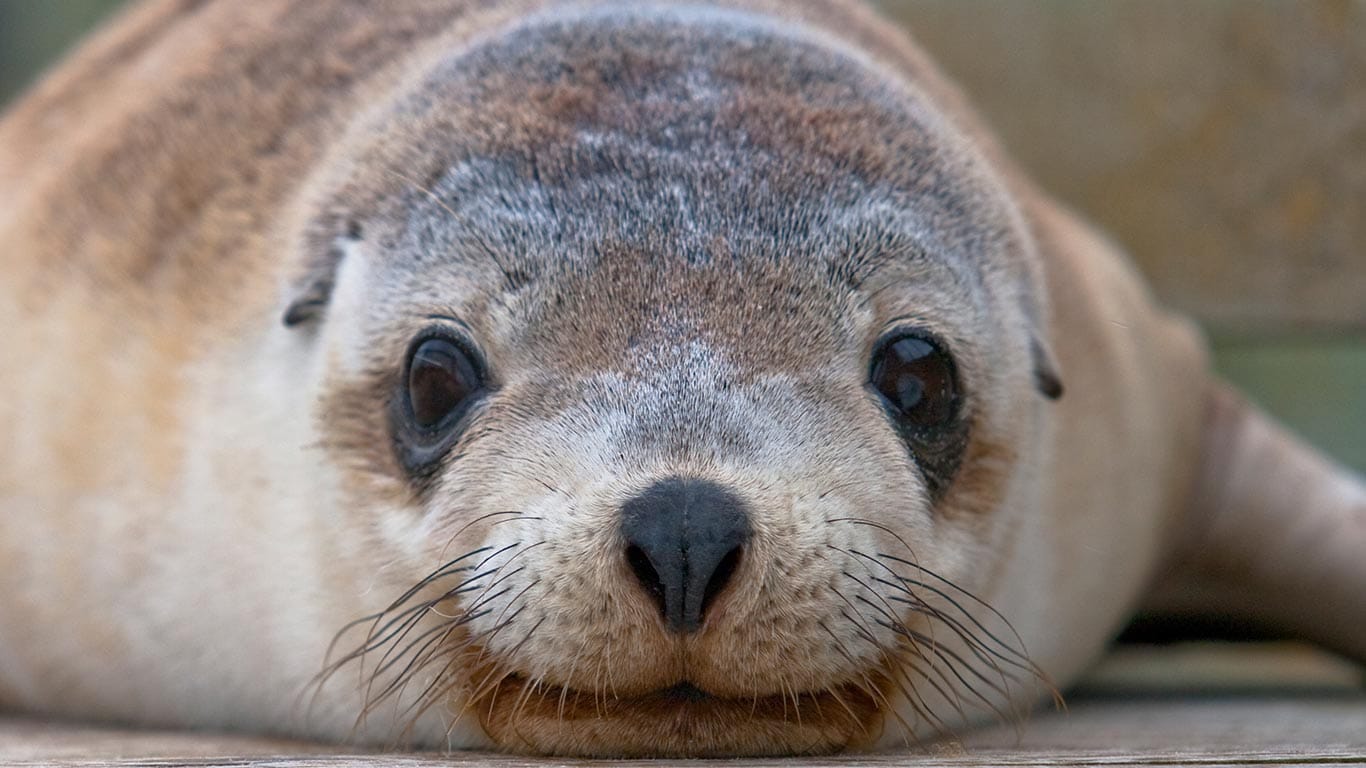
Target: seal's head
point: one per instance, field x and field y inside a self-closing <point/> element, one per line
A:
<point x="681" y="358"/>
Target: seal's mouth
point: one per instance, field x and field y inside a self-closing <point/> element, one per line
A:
<point x="681" y="720"/>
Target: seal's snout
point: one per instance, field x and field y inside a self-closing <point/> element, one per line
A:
<point x="684" y="539"/>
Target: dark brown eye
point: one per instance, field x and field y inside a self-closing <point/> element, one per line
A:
<point x="917" y="381"/>
<point x="442" y="380"/>
<point x="916" y="378"/>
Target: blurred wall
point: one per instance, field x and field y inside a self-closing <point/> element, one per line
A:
<point x="1223" y="142"/>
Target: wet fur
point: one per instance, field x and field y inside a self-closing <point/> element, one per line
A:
<point x="666" y="227"/>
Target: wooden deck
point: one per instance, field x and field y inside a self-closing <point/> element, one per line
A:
<point x="1169" y="707"/>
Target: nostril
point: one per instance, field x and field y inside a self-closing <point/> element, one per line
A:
<point x="646" y="573"/>
<point x="684" y="540"/>
<point x="721" y="577"/>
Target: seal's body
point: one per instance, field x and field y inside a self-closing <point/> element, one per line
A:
<point x="590" y="378"/>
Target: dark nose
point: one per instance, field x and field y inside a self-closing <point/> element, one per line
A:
<point x="684" y="539"/>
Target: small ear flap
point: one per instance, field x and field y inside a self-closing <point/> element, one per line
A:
<point x="1046" y="378"/>
<point x="312" y="291"/>
<point x="309" y="303"/>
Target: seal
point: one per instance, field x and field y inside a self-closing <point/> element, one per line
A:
<point x="591" y="378"/>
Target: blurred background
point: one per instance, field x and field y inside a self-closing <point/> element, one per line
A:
<point x="1222" y="142"/>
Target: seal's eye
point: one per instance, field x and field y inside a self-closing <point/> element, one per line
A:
<point x="442" y="382"/>
<point x="441" y="379"/>
<point x="916" y="378"/>
<point x="917" y="381"/>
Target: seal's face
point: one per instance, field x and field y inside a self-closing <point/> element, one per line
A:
<point x="679" y="358"/>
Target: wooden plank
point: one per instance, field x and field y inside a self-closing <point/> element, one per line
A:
<point x="1327" y="728"/>
<point x="1220" y="142"/>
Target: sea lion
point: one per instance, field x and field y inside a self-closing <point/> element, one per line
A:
<point x="590" y="378"/>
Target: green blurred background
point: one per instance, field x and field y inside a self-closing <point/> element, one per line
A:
<point x="1223" y="142"/>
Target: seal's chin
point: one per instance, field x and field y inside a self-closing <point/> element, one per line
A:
<point x="681" y="720"/>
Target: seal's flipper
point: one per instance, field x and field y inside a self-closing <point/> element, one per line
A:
<point x="1276" y="534"/>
